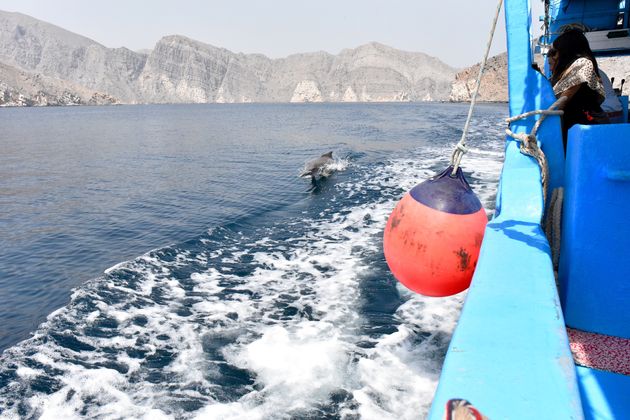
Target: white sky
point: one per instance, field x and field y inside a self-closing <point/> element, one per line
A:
<point x="455" y="31"/>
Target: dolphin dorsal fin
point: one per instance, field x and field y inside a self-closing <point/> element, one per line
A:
<point x="329" y="154"/>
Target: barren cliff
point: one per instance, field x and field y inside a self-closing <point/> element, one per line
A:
<point x="182" y="70"/>
<point x="42" y="64"/>
<point x="494" y="83"/>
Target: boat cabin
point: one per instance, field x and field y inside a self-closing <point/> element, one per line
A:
<point x="606" y="22"/>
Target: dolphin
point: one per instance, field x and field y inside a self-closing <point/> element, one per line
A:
<point x="317" y="167"/>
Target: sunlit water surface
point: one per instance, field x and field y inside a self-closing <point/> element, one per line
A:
<point x="180" y="269"/>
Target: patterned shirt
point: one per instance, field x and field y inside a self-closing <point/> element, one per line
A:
<point x="580" y="71"/>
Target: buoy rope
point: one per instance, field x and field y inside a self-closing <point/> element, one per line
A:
<point x="553" y="225"/>
<point x="460" y="148"/>
<point x="529" y="147"/>
<point x="529" y="143"/>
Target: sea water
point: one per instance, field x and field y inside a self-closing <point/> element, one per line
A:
<point x="167" y="262"/>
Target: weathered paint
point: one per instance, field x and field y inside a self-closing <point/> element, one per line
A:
<point x="433" y="252"/>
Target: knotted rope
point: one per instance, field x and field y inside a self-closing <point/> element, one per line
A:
<point x="529" y="147"/>
<point x="529" y="143"/>
<point x="553" y="225"/>
<point x="460" y="148"/>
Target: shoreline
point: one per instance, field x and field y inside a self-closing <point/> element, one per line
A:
<point x="242" y="103"/>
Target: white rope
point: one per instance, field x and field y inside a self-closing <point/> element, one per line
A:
<point x="529" y="143"/>
<point x="460" y="148"/>
<point x="553" y="225"/>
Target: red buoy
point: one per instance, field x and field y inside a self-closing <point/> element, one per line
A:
<point x="433" y="236"/>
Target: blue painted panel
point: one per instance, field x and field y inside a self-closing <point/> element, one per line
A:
<point x="597" y="15"/>
<point x="594" y="263"/>
<point x="605" y="395"/>
<point x="530" y="90"/>
<point x="509" y="355"/>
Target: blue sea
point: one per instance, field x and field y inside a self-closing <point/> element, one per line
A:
<point x="166" y="262"/>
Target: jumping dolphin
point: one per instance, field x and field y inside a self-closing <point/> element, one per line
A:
<point x="317" y="167"/>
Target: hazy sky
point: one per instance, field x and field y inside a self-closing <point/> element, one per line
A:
<point x="453" y="30"/>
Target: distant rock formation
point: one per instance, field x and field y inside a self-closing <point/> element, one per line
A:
<point x="41" y="48"/>
<point x="20" y="88"/>
<point x="182" y="70"/>
<point x="307" y="91"/>
<point x="617" y="69"/>
<point x="42" y="64"/>
<point x="494" y="83"/>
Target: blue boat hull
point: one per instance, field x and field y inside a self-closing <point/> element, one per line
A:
<point x="510" y="355"/>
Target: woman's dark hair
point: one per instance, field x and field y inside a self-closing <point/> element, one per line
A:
<point x="571" y="45"/>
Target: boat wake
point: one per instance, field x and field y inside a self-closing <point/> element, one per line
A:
<point x="296" y="317"/>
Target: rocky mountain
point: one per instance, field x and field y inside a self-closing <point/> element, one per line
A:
<point x="182" y="70"/>
<point x="38" y="47"/>
<point x="494" y="82"/>
<point x="617" y="69"/>
<point x="20" y="88"/>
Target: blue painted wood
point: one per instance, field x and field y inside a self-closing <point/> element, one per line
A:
<point x="594" y="269"/>
<point x="605" y="395"/>
<point x="600" y="14"/>
<point x="624" y="104"/>
<point x="530" y="90"/>
<point x="509" y="355"/>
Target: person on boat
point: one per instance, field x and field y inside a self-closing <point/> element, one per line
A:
<point x="611" y="105"/>
<point x="575" y="75"/>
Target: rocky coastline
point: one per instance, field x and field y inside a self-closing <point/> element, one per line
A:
<point x="44" y="65"/>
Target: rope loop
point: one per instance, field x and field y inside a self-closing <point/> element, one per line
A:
<point x="529" y="142"/>
<point x="456" y="158"/>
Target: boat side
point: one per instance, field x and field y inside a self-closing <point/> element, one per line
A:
<point x="509" y="355"/>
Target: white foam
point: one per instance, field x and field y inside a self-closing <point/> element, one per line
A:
<point x="401" y="369"/>
<point x="115" y="267"/>
<point x="297" y="361"/>
<point x="297" y="366"/>
<point x="26" y="372"/>
<point x="234" y="411"/>
<point x="338" y="164"/>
